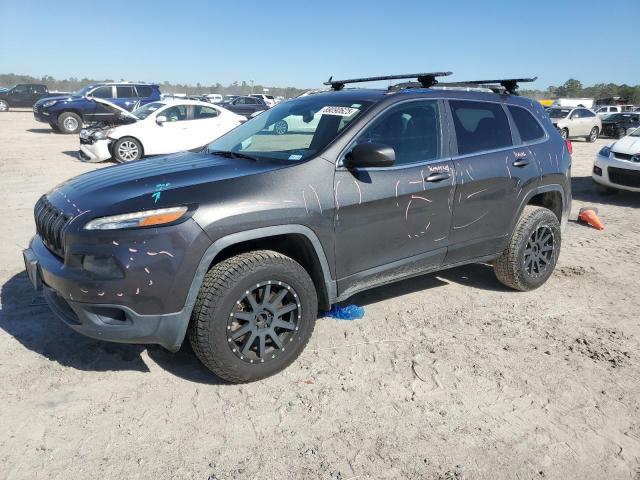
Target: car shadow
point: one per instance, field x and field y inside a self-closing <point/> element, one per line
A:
<point x="25" y="316"/>
<point x="476" y="275"/>
<point x="43" y="130"/>
<point x="72" y="154"/>
<point x="586" y="190"/>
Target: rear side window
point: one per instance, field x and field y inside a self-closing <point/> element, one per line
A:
<point x="125" y="92"/>
<point x="144" y="90"/>
<point x="480" y="126"/>
<point x="102" y="92"/>
<point x="412" y="129"/>
<point x="528" y="127"/>
<point x="204" y="112"/>
<point x="586" y="113"/>
<point x="38" y="89"/>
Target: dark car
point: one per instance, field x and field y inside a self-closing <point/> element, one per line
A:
<point x="246" y="106"/>
<point x="620" y="124"/>
<point x="239" y="245"/>
<point x="67" y="114"/>
<point x="22" y="95"/>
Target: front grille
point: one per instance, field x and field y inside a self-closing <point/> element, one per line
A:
<point x="622" y="176"/>
<point x="50" y="223"/>
<point x="622" y="156"/>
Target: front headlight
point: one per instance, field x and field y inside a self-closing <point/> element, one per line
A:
<point x="606" y="150"/>
<point x="146" y="218"/>
<point x="49" y="103"/>
<point x="99" y="134"/>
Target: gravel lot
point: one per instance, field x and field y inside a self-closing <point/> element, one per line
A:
<point x="448" y="376"/>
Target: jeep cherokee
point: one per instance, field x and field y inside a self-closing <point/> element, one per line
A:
<point x="239" y="245"/>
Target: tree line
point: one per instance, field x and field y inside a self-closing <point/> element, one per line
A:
<point x="73" y="84"/>
<point x="573" y="88"/>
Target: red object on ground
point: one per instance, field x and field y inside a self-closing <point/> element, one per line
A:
<point x="590" y="217"/>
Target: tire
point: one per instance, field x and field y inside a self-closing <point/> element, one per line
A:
<point x="516" y="266"/>
<point x="621" y="132"/>
<point x="127" y="149"/>
<point x="54" y="127"/>
<point x="4" y="106"/>
<point x="69" y="122"/>
<point x="281" y="127"/>
<point x="235" y="351"/>
<point x="593" y="135"/>
<point x="564" y="133"/>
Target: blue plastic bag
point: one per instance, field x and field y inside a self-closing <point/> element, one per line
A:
<point x="349" y="312"/>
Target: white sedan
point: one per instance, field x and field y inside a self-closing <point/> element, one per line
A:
<point x="163" y="127"/>
<point x="617" y="165"/>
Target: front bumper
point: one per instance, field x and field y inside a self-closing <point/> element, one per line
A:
<point x="41" y="115"/>
<point x="626" y="174"/>
<point x="98" y="151"/>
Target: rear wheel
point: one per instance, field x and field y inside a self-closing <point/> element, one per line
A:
<point x="4" y="106"/>
<point x="127" y="149"/>
<point x="593" y="135"/>
<point x="69" y="122"/>
<point x="253" y="316"/>
<point x="532" y="253"/>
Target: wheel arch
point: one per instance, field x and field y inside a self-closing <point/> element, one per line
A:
<point x="552" y="197"/>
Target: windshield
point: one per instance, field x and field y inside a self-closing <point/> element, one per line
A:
<point x="635" y="133"/>
<point x="146" y="110"/>
<point x="558" y="112"/>
<point x="292" y="131"/>
<point x="617" y="117"/>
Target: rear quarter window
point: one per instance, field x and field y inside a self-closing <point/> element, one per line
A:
<point x="480" y="126"/>
<point x="527" y="125"/>
<point x="144" y="90"/>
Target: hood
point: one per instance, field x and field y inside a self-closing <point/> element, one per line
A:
<point x="629" y="145"/>
<point x="113" y="108"/>
<point x="183" y="178"/>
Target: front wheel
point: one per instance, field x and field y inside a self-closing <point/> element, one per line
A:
<point x="69" y="122"/>
<point x="564" y="133"/>
<point x="593" y="135"/>
<point x="254" y="315"/>
<point x="127" y="149"/>
<point x="4" y="106"/>
<point x="532" y="252"/>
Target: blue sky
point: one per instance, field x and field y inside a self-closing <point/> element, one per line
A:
<point x="301" y="43"/>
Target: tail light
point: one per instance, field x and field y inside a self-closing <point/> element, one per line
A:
<point x="569" y="146"/>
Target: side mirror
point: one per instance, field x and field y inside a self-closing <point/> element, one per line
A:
<point x="160" y="119"/>
<point x="370" y="155"/>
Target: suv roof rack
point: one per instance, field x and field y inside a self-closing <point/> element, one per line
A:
<point x="426" y="79"/>
<point x="510" y="85"/>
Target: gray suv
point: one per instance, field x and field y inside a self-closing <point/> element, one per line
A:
<point x="238" y="246"/>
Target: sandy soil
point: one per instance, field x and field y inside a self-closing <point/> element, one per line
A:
<point x="448" y="376"/>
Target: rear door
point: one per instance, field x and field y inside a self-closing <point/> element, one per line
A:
<point x="491" y="171"/>
<point x="394" y="221"/>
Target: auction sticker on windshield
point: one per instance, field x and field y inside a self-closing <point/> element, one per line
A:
<point x="340" y="111"/>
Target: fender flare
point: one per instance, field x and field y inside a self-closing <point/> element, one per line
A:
<point x="216" y="247"/>
<point x="552" y="187"/>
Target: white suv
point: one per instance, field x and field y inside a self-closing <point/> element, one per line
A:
<point x="267" y="99"/>
<point x="576" y="122"/>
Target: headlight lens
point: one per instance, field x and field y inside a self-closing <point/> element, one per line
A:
<point x="99" y="134"/>
<point x="146" y="218"/>
<point x="606" y="150"/>
<point x="49" y="103"/>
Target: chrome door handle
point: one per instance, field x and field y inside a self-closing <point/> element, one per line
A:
<point x="437" y="177"/>
<point x="521" y="163"/>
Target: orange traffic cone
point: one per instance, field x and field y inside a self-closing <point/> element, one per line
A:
<point x="590" y="217"/>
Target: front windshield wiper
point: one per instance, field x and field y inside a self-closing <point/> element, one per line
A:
<point x="231" y="154"/>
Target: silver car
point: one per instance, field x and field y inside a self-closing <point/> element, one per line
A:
<point x="576" y="122"/>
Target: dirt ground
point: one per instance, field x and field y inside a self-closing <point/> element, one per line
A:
<point x="448" y="376"/>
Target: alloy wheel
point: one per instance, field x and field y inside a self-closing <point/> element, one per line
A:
<point x="128" y="150"/>
<point x="70" y="124"/>
<point x="594" y="134"/>
<point x="264" y="320"/>
<point x="538" y="254"/>
<point x="3" y="107"/>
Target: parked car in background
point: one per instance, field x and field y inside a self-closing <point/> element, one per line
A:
<point x="617" y="165"/>
<point x="228" y="98"/>
<point x="246" y="106"/>
<point x="607" y="110"/>
<point x="67" y="114"/>
<point x="214" y="97"/>
<point x="576" y="122"/>
<point x="23" y="95"/>
<point x="574" y="102"/>
<point x="618" y="125"/>
<point x="156" y="128"/>
<point x="268" y="100"/>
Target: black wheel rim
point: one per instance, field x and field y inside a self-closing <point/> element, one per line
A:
<point x="263" y="322"/>
<point x="538" y="254"/>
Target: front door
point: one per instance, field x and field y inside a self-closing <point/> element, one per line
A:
<point x="172" y="135"/>
<point x="491" y="171"/>
<point x="393" y="222"/>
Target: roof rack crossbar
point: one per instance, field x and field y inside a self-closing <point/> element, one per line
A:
<point x="426" y="79"/>
<point x="509" y="84"/>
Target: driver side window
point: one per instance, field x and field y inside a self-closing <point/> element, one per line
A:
<point x="176" y="113"/>
<point x="412" y="129"/>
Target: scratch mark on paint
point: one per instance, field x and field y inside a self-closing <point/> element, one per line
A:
<point x="84" y="291"/>
<point x="147" y="270"/>
<point x="397" y="183"/>
<point x="115" y="243"/>
<point x="475" y="193"/>
<point x="427" y="227"/>
<point x="137" y="291"/>
<point x="470" y="176"/>
<point x="438" y="239"/>
<point x="119" y="294"/>
<point x="305" y="202"/>
<point x="132" y="250"/>
<point x="406" y="212"/>
<point x="150" y="282"/>
<point x="424" y="185"/>
<point x="359" y="193"/>
<point x="506" y="161"/>
<point x="421" y="198"/>
<point x="162" y="252"/>
<point x="101" y="294"/>
<point x="317" y="197"/>
<point x="336" y="195"/>
<point x="471" y="223"/>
